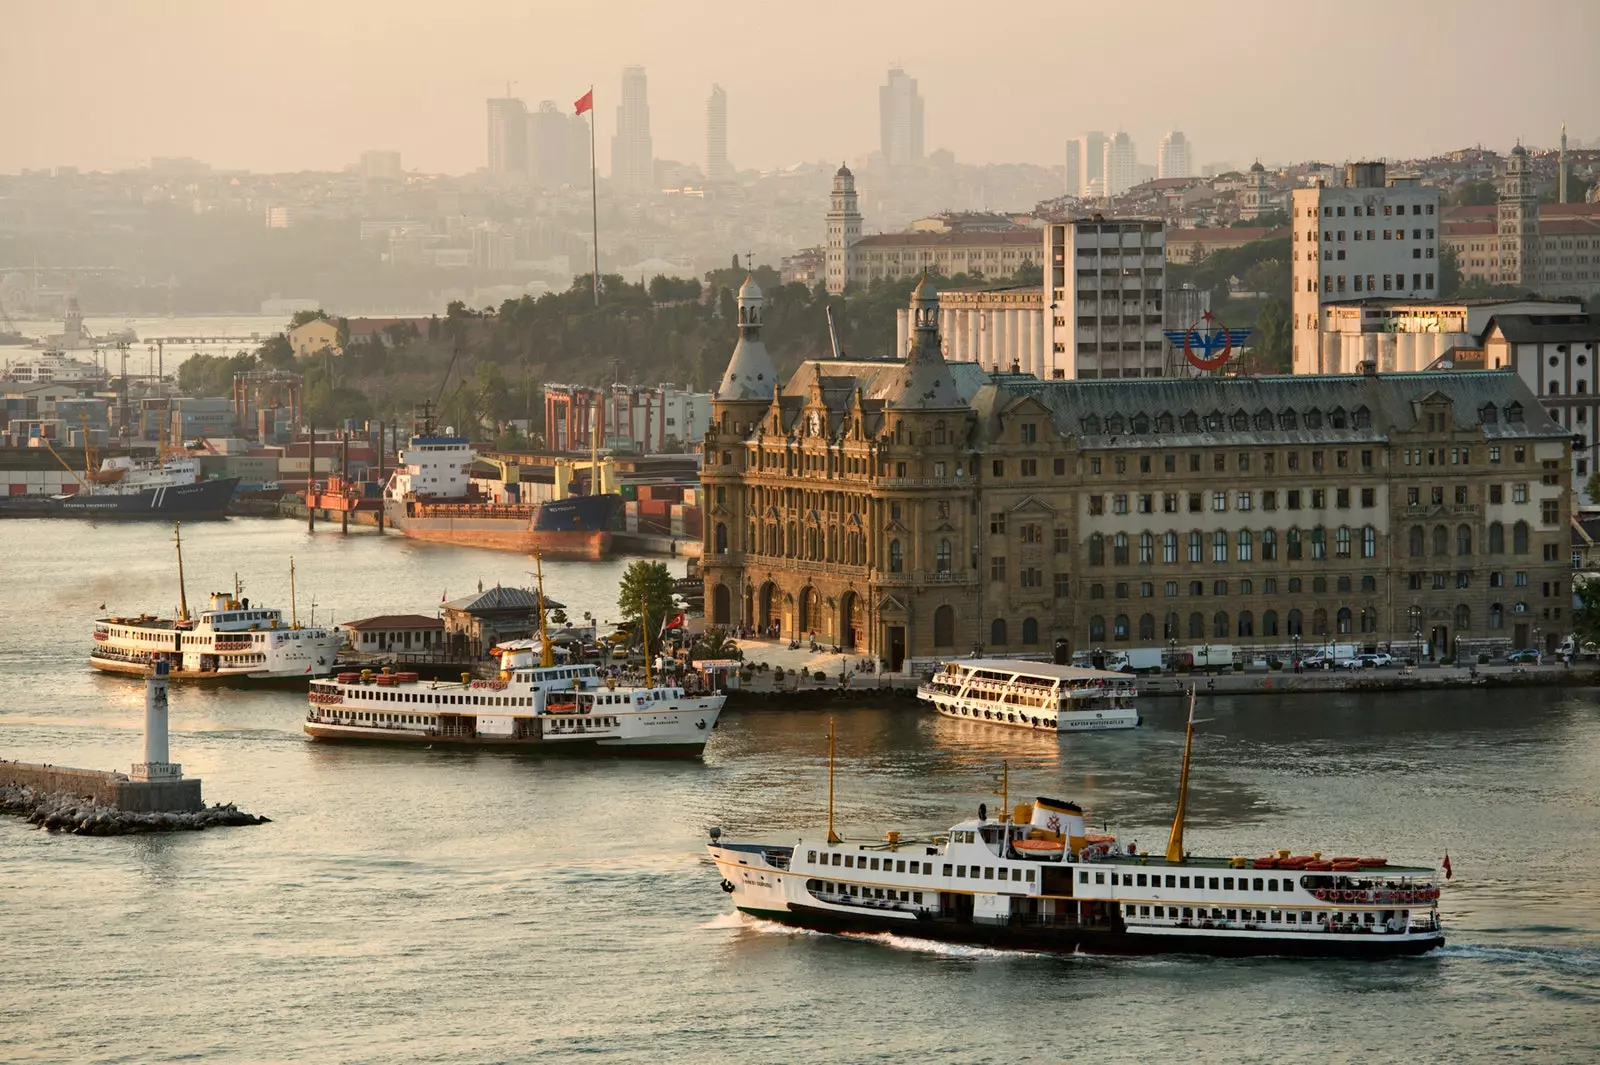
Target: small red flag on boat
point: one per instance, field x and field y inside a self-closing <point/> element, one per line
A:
<point x="585" y="102"/>
<point x="1447" y="873"/>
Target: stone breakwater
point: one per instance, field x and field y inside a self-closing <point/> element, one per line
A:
<point x="56" y="812"/>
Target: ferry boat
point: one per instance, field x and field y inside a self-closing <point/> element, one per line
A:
<point x="1035" y="879"/>
<point x="1033" y="695"/>
<point x="430" y="496"/>
<point x="546" y="706"/>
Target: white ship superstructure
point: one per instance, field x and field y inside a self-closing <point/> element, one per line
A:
<point x="1032" y="695"/>
<point x="231" y="639"/>
<point x="50" y="366"/>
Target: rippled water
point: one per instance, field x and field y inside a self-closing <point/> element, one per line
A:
<point x="464" y="907"/>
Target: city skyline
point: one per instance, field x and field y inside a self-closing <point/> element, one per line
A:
<point x="401" y="90"/>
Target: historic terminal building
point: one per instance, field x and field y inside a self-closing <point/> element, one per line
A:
<point x="919" y="508"/>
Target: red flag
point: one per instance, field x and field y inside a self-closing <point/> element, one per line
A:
<point x="585" y="102"/>
<point x="1447" y="873"/>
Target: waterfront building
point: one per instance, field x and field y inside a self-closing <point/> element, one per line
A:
<point x="719" y="174"/>
<point x="314" y="337"/>
<point x="1554" y="349"/>
<point x="508" y="136"/>
<point x="1120" y="165"/>
<point x="900" y="119"/>
<point x="916" y="509"/>
<point x="636" y="419"/>
<point x="415" y="633"/>
<point x="632" y="153"/>
<point x="1351" y="242"/>
<point x="1105" y="280"/>
<point x="1174" y="158"/>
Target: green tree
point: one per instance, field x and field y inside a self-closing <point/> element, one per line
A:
<point x="1449" y="273"/>
<point x="1591" y="487"/>
<point x="715" y="643"/>
<point x="646" y="584"/>
<point x="1273" y="338"/>
<point x="1586" y="618"/>
<point x="302" y="317"/>
<point x="1474" y="194"/>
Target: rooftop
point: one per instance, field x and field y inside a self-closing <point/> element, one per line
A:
<point x="396" y="621"/>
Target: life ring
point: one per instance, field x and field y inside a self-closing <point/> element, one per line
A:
<point x="1366" y="896"/>
<point x="1405" y="896"/>
<point x="1322" y="893"/>
<point x="727" y="885"/>
<point x="1349" y="896"/>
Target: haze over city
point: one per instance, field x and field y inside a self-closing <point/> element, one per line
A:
<point x="299" y="85"/>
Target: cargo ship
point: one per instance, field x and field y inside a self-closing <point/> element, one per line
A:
<point x="430" y="496"/>
<point x="123" y="489"/>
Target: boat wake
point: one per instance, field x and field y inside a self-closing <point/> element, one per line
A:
<point x="1574" y="961"/>
<point x="744" y="922"/>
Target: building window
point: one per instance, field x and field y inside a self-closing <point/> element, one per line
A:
<point x="1219" y="546"/>
<point x="1195" y="547"/>
<point x="997" y="568"/>
<point x="896" y="559"/>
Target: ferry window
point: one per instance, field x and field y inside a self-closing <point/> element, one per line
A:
<point x="947" y="870"/>
<point x="1233" y="915"/>
<point x="1277" y="916"/>
<point x="1257" y="884"/>
<point x="811" y="856"/>
<point x="1029" y="877"/>
<point x="1016" y="874"/>
<point x="1099" y="878"/>
<point x="1188" y="912"/>
<point x="874" y="863"/>
<point x="961" y="871"/>
<point x="1227" y="883"/>
<point x="1172" y="881"/>
<point x="976" y="874"/>
<point x="1144" y="911"/>
<point x="1272" y="885"/>
<point x="1213" y="883"/>
<point x="1083" y="878"/>
<point x="1113" y="879"/>
<point x="899" y="867"/>
<point x="836" y="859"/>
<point x="916" y="867"/>
<point x="1142" y="881"/>
<point x="988" y="872"/>
<point x="1290" y="917"/>
<point x="916" y="896"/>
<point x="1130" y="909"/>
<point x="1183" y="881"/>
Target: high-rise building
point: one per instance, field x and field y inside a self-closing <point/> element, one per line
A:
<point x="632" y="156"/>
<point x="900" y="119"/>
<point x="508" y="136"/>
<point x="1120" y="165"/>
<point x="1073" y="185"/>
<point x="558" y="147"/>
<point x="1091" y="163"/>
<point x="718" y="173"/>
<point x="1104" y="282"/>
<point x="1375" y="235"/>
<point x="1174" y="158"/>
<point x="381" y="166"/>
<point x="844" y="229"/>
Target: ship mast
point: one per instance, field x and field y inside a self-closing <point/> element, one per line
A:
<point x="294" y="606"/>
<point x="1175" y="839"/>
<point x="183" y="595"/>
<point x="547" y="656"/>
<point x="644" y="634"/>
<point x="833" y="837"/>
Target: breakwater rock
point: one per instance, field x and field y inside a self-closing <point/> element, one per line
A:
<point x="55" y="812"/>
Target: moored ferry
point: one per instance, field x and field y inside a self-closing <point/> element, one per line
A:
<point x="1032" y="695"/>
<point x="1035" y="879"/>
<point x="232" y="639"/>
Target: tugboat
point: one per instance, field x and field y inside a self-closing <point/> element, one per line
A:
<point x="231" y="640"/>
<point x="1034" y="879"/>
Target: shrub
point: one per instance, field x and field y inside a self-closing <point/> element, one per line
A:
<point x="819" y="675"/>
<point x="1483" y="659"/>
<point x="1274" y="664"/>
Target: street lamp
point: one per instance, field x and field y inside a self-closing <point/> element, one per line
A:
<point x="1172" y="654"/>
<point x="1458" y="652"/>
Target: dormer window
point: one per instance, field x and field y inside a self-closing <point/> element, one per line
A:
<point x="1114" y="425"/>
<point x="1514" y="413"/>
<point x="1263" y="419"/>
<point x="1091" y="425"/>
<point x="1287" y="419"/>
<point x="1239" y="421"/>
<point x="1163" y="422"/>
<point x="1488" y="414"/>
<point x="1361" y="418"/>
<point x="1313" y="419"/>
<point x="1214" y="421"/>
<point x="1141" y="423"/>
<point x="1189" y="421"/>
<point x="1337" y="419"/>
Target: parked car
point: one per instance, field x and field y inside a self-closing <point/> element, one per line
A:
<point x="1374" y="660"/>
<point x="1317" y="662"/>
<point x="1527" y="654"/>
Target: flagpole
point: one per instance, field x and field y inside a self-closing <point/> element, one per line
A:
<point x="594" y="199"/>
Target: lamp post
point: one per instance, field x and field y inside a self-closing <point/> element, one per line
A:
<point x="1416" y="632"/>
<point x="1538" y="651"/>
<point x="1172" y="654"/>
<point x="1294" y="660"/>
<point x="1458" y="652"/>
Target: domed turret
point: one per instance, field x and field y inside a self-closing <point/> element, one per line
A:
<point x="843" y="171"/>
<point x="750" y="373"/>
<point x="1257" y="168"/>
<point x="926" y="380"/>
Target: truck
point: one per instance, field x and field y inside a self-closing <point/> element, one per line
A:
<point x="1214" y="655"/>
<point x="1138" y="660"/>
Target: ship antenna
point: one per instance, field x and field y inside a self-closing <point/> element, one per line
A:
<point x="183" y="596"/>
<point x="547" y="657"/>
<point x="833" y="837"/>
<point x="1175" y="839"/>
<point x="1005" y="790"/>
<point x="644" y="634"/>
<point x="294" y="604"/>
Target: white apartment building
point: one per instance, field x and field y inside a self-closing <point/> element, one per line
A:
<point x="1371" y="237"/>
<point x="1174" y="158"/>
<point x="1104" y="282"/>
<point x="1407" y="336"/>
<point x="1555" y="349"/>
<point x="1119" y="165"/>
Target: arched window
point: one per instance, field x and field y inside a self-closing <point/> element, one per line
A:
<point x="1246" y="546"/>
<point x="1295" y="550"/>
<point x="1197" y="626"/>
<point x="1416" y="539"/>
<point x="997" y="632"/>
<point x="1247" y="623"/>
<point x="1342" y="621"/>
<point x="1369" y="620"/>
<point x="1519" y="538"/>
<point x="721" y="606"/>
<point x="1119" y="549"/>
<point x="1030" y="632"/>
<point x="1219" y="625"/>
<point x="1147" y="549"/>
<point x="1294" y="625"/>
<point x="1219" y="546"/>
<point x="944" y="627"/>
<point x="1497" y="616"/>
<point x="1369" y="583"/>
<point x="1341" y="542"/>
<point x="1269" y="623"/>
<point x="1497" y="538"/>
<point x="1319" y="622"/>
<point x="1169" y="547"/>
<point x="1147" y="627"/>
<point x="1195" y="546"/>
<point x="1119" y="628"/>
<point x="941" y="558"/>
<point x="1441" y="540"/>
<point x="1463" y="618"/>
<point x="1369" y="542"/>
<point x="1463" y="539"/>
<point x="1097" y="550"/>
<point x="721" y="539"/>
<point x="1097" y="629"/>
<point x="1269" y="545"/>
<point x="896" y="557"/>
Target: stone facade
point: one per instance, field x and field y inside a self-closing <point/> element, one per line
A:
<point x="924" y="509"/>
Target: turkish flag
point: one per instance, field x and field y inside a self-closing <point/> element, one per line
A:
<point x="1448" y="873"/>
<point x="675" y="623"/>
<point x="585" y="102"/>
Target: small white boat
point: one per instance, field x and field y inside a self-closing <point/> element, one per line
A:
<point x="1033" y="695"/>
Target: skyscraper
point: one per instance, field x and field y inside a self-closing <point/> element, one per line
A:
<point x="1091" y="160"/>
<point x="632" y="156"/>
<point x="1073" y="185"/>
<point x="1173" y="161"/>
<point x="900" y="119"/>
<point x="718" y="173"/>
<point x="558" y="146"/>
<point x="1120" y="165"/>
<point x="508" y="136"/>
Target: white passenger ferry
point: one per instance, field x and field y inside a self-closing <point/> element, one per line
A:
<point x="232" y="639"/>
<point x="1033" y="695"/>
<point x="1036" y="880"/>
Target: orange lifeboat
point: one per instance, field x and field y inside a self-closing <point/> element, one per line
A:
<point x="1038" y="848"/>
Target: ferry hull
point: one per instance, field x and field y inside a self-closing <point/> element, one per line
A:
<point x="1068" y="940"/>
<point x="1074" y="721"/>
<point x="209" y="676"/>
<point x="203" y="500"/>
<point x="643" y="748"/>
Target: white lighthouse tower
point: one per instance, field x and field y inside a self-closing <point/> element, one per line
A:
<point x="155" y="766"/>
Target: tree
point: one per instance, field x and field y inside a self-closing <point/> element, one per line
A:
<point x="1591" y="487"/>
<point x="302" y="317"/>
<point x="1474" y="194"/>
<point x="715" y="643"/>
<point x="1586" y="618"/>
<point x="1273" y="337"/>
<point x="649" y="584"/>
<point x="1449" y="273"/>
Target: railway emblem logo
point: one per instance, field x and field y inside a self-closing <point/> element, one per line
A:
<point x="1206" y="344"/>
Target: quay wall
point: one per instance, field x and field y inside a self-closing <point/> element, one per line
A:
<point x="105" y="788"/>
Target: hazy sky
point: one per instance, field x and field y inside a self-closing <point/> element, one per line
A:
<point x="269" y="85"/>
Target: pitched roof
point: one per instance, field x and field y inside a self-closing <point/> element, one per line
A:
<point x="396" y="621"/>
<point x="1546" y="328"/>
<point x="1032" y="238"/>
<point x="498" y="598"/>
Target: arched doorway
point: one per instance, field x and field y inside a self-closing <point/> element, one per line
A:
<point x="849" y="635"/>
<point x="721" y="605"/>
<point x="944" y="628"/>
<point x="809" y="611"/>
<point x="767" y="609"/>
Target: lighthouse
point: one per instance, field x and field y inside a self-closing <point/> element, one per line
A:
<point x="155" y="766"/>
